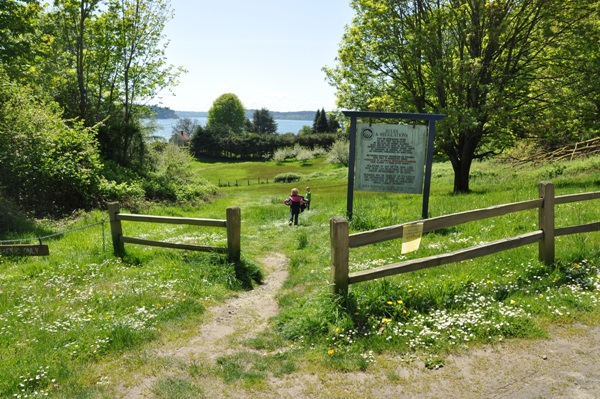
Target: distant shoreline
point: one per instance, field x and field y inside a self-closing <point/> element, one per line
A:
<point x="291" y="115"/>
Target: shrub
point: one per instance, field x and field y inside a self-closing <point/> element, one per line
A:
<point x="126" y="193"/>
<point x="339" y="152"/>
<point x="45" y="165"/>
<point x="304" y="155"/>
<point x="287" y="178"/>
<point x="279" y="155"/>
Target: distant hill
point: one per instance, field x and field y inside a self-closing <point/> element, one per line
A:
<point x="292" y="115"/>
<point x="191" y="114"/>
<point x="295" y="115"/>
<point x="162" y="112"/>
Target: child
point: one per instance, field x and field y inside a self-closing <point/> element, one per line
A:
<point x="295" y="203"/>
<point x="307" y="197"/>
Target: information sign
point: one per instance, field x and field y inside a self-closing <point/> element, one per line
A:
<point x="390" y="158"/>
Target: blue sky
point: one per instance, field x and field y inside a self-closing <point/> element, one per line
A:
<point x="268" y="52"/>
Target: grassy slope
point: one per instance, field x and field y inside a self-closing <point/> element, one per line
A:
<point x="70" y="315"/>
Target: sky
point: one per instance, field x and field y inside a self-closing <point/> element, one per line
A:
<point x="269" y="53"/>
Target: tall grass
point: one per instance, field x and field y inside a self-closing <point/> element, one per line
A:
<point x="77" y="323"/>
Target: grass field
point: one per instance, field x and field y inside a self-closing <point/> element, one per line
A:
<point x="68" y="321"/>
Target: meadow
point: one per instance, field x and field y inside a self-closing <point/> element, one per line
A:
<point x="78" y="323"/>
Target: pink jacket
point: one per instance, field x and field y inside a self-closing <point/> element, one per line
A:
<point x="295" y="201"/>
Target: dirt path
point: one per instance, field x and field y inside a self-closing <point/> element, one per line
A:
<point x="238" y="318"/>
<point x="565" y="366"/>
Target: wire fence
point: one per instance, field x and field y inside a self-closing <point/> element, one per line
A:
<point x="46" y="237"/>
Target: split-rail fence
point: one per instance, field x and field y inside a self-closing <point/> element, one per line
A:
<point x="342" y="241"/>
<point x="232" y="223"/>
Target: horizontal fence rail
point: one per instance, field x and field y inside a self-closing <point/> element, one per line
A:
<point x="232" y="224"/>
<point x="441" y="222"/>
<point x="342" y="241"/>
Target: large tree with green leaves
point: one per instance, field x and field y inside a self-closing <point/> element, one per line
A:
<point x="227" y="111"/>
<point x="109" y="59"/>
<point x="483" y="63"/>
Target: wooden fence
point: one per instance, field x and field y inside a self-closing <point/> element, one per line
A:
<point x="238" y="183"/>
<point x="342" y="241"/>
<point x="232" y="224"/>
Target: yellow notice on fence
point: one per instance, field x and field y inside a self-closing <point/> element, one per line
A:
<point x="411" y="237"/>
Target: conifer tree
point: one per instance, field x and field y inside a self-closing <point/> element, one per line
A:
<point x="322" y="123"/>
<point x="316" y="122"/>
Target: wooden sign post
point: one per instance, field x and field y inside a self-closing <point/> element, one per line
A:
<point x="24" y="250"/>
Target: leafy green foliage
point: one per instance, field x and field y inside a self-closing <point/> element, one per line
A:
<point x="45" y="165"/>
<point x="21" y="42"/>
<point x="220" y="142"/>
<point x="227" y="111"/>
<point x="498" y="73"/>
<point x="106" y="58"/>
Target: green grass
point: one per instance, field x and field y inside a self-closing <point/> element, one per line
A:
<point x="80" y="317"/>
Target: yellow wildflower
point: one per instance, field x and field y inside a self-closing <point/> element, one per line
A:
<point x="330" y="352"/>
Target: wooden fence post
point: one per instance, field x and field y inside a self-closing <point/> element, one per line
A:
<point x="340" y="254"/>
<point x="234" y="228"/>
<point x="115" y="228"/>
<point x="546" y="222"/>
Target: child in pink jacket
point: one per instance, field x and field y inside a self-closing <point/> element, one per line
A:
<point x="296" y="203"/>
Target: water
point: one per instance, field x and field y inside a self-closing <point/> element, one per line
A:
<point x="165" y="126"/>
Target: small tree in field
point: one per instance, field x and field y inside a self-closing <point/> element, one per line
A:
<point x="339" y="153"/>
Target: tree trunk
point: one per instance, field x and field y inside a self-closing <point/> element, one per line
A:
<point x="462" y="160"/>
<point x="461" y="177"/>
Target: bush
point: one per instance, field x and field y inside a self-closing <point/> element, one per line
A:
<point x="304" y="155"/>
<point x="287" y="178"/>
<point x="46" y="166"/>
<point x="339" y="152"/>
<point x="279" y="155"/>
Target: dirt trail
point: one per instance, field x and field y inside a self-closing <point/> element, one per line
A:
<point x="238" y="318"/>
<point x="243" y="316"/>
<point x="564" y="366"/>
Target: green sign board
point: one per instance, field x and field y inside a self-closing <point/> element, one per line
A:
<point x="390" y="158"/>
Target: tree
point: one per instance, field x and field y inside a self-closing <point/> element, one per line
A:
<point x="185" y="125"/>
<point x="46" y="166"/>
<point x="315" y="126"/>
<point x="263" y="122"/>
<point x="228" y="111"/>
<point x="334" y="125"/>
<point x="20" y="39"/>
<point x="108" y="60"/>
<point x="322" y="122"/>
<point x="480" y="62"/>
